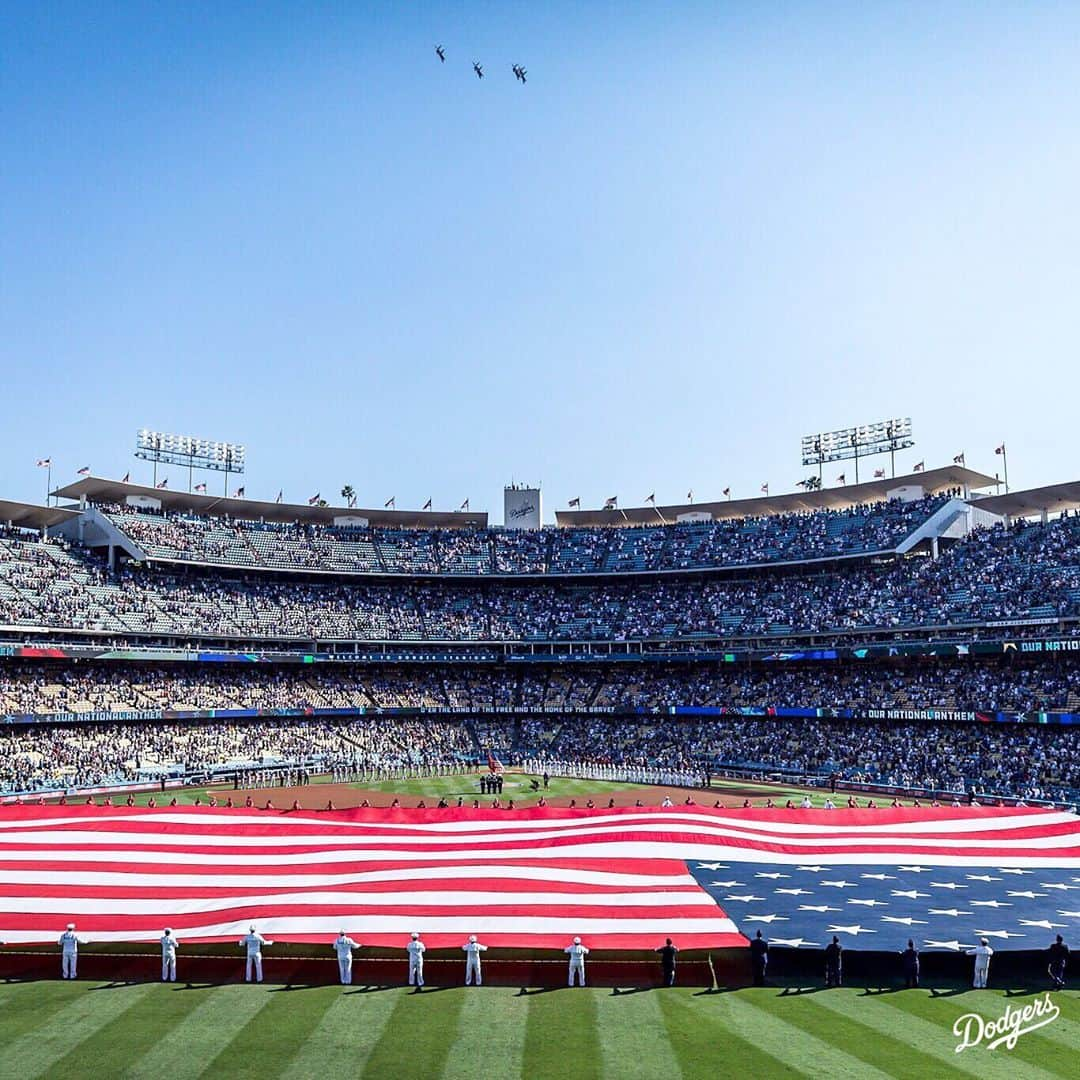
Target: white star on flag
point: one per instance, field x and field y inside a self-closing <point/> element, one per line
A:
<point x="997" y="933"/>
<point x="817" y="907"/>
<point x="1070" y="914"/>
<point x="1009" y="870"/>
<point x="907" y="920"/>
<point x="1029" y="894"/>
<point x="915" y="869"/>
<point x="911" y="894"/>
<point x="948" y="911"/>
<point x="744" y="899"/>
<point x="868" y="903"/>
<point x="774" y="876"/>
<point x="727" y="884"/>
<point x="1046" y="924"/>
<point x="712" y="866"/>
<point x="854" y="930"/>
<point x="879" y="877"/>
<point x="839" y="884"/>
<point x="954" y="945"/>
<point x="1056" y="885"/>
<point x="794" y="892"/>
<point x="946" y="885"/>
<point x="818" y="869"/>
<point x="990" y="903"/>
<point x="792" y="942"/>
<point x="766" y="918"/>
<point x="981" y="877"/>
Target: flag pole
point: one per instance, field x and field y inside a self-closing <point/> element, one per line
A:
<point x="48" y="481"/>
<point x="1005" y="464"/>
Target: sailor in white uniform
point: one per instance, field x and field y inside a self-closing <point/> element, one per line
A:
<point x="577" y="953"/>
<point x="344" y="946"/>
<point x="168" y="956"/>
<point x="253" y="944"/>
<point x="69" y="951"/>
<point x="982" y="953"/>
<point x="416" y="949"/>
<point x="473" y="949"/>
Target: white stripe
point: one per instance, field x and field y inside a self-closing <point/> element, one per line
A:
<point x="831" y="821"/>
<point x="163" y="841"/>
<point x="143" y="843"/>
<point x="295" y="881"/>
<point x="523" y="926"/>
<point x="622" y="850"/>
<point x="479" y="899"/>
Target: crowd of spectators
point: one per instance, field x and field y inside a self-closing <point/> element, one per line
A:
<point x="94" y="755"/>
<point x="1026" y="572"/>
<point x="51" y="688"/>
<point x="1020" y="761"/>
<point x="685" y="545"/>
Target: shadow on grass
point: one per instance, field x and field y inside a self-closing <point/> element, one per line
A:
<point x="116" y="984"/>
<point x="949" y="993"/>
<point x="617" y="992"/>
<point x="370" y="989"/>
<point x="796" y="991"/>
<point x="524" y="992"/>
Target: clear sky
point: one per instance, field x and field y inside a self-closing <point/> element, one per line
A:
<point x="697" y="233"/>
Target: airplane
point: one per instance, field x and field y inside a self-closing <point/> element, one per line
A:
<point x="440" y="52"/>
<point x="519" y="72"/>
<point x="478" y="69"/>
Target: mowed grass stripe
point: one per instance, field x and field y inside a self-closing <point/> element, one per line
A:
<point x="418" y="1034"/>
<point x="885" y="1048"/>
<point x="344" y="1038"/>
<point x="276" y="1033"/>
<point x="28" y="1006"/>
<point x="128" y="1036"/>
<point x="491" y="1035"/>
<point x="185" y="1050"/>
<point x="561" y="1037"/>
<point x="698" y="1033"/>
<point x="633" y="1039"/>
<point x="764" y="1015"/>
<point x="36" y="1051"/>
<point x="927" y="1040"/>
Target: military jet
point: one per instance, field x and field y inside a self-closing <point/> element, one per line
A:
<point x="519" y="72"/>
<point x="440" y="52"/>
<point x="478" y="69"/>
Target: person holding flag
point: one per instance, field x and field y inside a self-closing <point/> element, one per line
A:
<point x="168" y="956"/>
<point x="577" y="953"/>
<point x="69" y="951"/>
<point x="472" y="949"/>
<point x="416" y="949"/>
<point x="344" y="946"/>
<point x="253" y="943"/>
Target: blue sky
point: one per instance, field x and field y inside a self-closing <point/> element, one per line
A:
<point x="699" y="232"/>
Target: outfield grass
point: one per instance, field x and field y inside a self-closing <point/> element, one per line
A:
<point x="516" y="788"/>
<point x="58" y="1029"/>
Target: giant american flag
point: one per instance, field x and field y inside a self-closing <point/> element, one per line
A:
<point x="621" y="879"/>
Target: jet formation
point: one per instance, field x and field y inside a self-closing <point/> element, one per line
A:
<point x="519" y="71"/>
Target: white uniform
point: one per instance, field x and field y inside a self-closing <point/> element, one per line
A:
<point x="69" y="958"/>
<point x="344" y="946"/>
<point x="982" y="954"/>
<point x="416" y="962"/>
<point x="168" y="958"/>
<point x="473" y="949"/>
<point x="253" y="944"/>
<point x="577" y="963"/>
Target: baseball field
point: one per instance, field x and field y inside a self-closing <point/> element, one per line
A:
<point x="86" y="1029"/>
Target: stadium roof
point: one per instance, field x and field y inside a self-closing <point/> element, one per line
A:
<point x="837" y="498"/>
<point x="32" y="516"/>
<point x="94" y="489"/>
<point x="1051" y="499"/>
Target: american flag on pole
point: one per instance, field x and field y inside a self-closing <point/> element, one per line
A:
<point x="532" y="878"/>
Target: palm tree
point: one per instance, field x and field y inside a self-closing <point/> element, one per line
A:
<point x="348" y="494"/>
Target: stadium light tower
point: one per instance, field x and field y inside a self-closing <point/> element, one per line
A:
<point x="855" y="442"/>
<point x="192" y="452"/>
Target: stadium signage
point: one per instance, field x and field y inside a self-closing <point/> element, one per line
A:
<point x="921" y="714"/>
<point x="972" y="1029"/>
<point x="1062" y="645"/>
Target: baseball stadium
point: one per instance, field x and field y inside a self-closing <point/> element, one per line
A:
<point x="797" y="738"/>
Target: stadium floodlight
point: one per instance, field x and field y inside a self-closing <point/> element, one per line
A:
<point x="189" y="451"/>
<point x="886" y="436"/>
